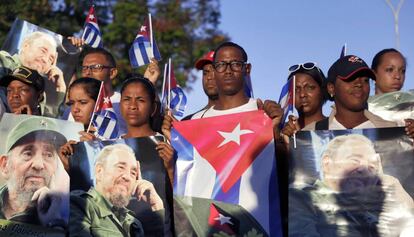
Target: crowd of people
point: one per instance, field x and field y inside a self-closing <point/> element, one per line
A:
<point x="139" y="111"/>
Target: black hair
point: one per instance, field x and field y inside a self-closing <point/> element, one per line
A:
<point x="317" y="74"/>
<point x="90" y="85"/>
<point x="89" y="50"/>
<point x="230" y="44"/>
<point x="138" y="78"/>
<point x="377" y="58"/>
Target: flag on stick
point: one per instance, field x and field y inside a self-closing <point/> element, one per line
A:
<point x="173" y="96"/>
<point x="91" y="33"/>
<point x="104" y="118"/>
<point x="144" y="47"/>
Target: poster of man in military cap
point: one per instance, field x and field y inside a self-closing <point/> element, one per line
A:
<point x="393" y="106"/>
<point x="352" y="183"/>
<point x="50" y="54"/>
<point x="34" y="187"/>
<point x="123" y="176"/>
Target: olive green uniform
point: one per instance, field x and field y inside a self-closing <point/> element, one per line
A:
<point x="92" y="215"/>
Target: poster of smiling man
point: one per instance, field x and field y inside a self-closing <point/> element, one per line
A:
<point x="119" y="187"/>
<point x="34" y="187"/>
<point x="50" y="54"/>
<point x="352" y="183"/>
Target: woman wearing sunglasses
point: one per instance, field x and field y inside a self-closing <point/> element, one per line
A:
<point x="310" y="95"/>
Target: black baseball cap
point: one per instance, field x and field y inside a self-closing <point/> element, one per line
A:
<point x="26" y="75"/>
<point x="348" y="68"/>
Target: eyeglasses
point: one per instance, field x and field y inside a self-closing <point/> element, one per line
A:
<point x="235" y="66"/>
<point x="306" y="66"/>
<point x="94" y="68"/>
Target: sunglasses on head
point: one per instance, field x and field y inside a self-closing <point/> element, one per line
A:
<point x="306" y="66"/>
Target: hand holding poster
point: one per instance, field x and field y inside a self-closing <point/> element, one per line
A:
<point x="35" y="187"/>
<point x="352" y="183"/>
<point x="127" y="175"/>
<point x="44" y="51"/>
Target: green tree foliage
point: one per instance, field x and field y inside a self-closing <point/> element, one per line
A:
<point x="184" y="30"/>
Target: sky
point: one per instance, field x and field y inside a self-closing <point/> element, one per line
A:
<point x="277" y="34"/>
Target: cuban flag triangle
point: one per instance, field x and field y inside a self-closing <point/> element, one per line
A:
<point x="230" y="158"/>
<point x="104" y="118"/>
<point x="144" y="47"/>
<point x="287" y="99"/>
<point x="91" y="33"/>
<point x="173" y="96"/>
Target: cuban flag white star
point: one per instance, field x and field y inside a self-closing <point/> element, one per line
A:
<point x="143" y="28"/>
<point x="223" y="219"/>
<point x="106" y="100"/>
<point x="233" y="136"/>
<point x="91" y="17"/>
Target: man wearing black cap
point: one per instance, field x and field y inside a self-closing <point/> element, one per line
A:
<point x="348" y="87"/>
<point x="30" y="167"/>
<point x="25" y="89"/>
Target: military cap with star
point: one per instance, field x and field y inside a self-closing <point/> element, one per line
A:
<point x="35" y="127"/>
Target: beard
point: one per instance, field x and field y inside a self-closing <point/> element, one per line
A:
<point x="25" y="188"/>
<point x="119" y="200"/>
<point x="119" y="194"/>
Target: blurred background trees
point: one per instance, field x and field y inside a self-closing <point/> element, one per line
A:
<point x="184" y="29"/>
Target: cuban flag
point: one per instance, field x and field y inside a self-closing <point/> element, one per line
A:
<point x="286" y="99"/>
<point x="231" y="159"/>
<point x="104" y="118"/>
<point x="173" y="96"/>
<point x="343" y="51"/>
<point x="91" y="33"/>
<point x="144" y="46"/>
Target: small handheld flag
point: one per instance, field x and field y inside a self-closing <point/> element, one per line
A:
<point x="173" y="96"/>
<point x="144" y="47"/>
<point x="104" y="118"/>
<point x="91" y="33"/>
<point x="286" y="99"/>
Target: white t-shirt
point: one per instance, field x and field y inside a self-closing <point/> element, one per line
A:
<point x="335" y="125"/>
<point x="251" y="105"/>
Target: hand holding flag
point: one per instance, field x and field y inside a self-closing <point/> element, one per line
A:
<point x="286" y="99"/>
<point x="104" y="118"/>
<point x="221" y="159"/>
<point x="144" y="47"/>
<point x="91" y="33"/>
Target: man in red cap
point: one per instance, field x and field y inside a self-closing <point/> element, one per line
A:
<point x="209" y="84"/>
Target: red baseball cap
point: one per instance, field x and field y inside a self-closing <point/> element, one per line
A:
<point x="206" y="59"/>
